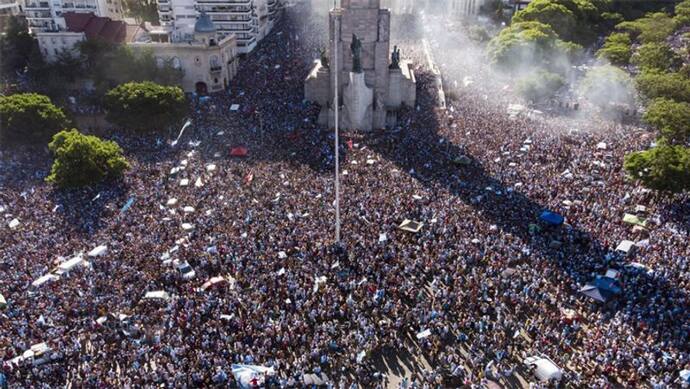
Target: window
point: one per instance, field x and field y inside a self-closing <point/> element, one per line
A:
<point x="176" y="63"/>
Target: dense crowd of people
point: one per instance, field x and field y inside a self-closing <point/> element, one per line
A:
<point x="461" y="302"/>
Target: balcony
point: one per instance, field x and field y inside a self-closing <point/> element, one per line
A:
<point x="30" y="6"/>
<point x="216" y="68"/>
<point x="234" y="2"/>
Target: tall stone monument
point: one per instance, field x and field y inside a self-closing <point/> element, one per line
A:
<point x="372" y="88"/>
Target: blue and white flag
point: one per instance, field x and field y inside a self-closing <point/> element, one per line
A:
<point x="250" y="376"/>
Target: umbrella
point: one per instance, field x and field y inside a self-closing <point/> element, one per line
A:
<point x="552" y="218"/>
<point x="595" y="293"/>
<point x="3" y="302"/>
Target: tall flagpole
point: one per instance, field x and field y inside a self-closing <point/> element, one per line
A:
<point x="336" y="38"/>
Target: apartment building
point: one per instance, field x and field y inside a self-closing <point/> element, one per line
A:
<point x="249" y="20"/>
<point x="48" y="16"/>
<point x="8" y="8"/>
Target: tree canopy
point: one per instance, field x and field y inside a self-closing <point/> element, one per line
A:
<point x="110" y="65"/>
<point x="682" y="12"/>
<point x="572" y="20"/>
<point x="551" y="13"/>
<point x="664" y="168"/>
<point x="82" y="160"/>
<point x="616" y="49"/>
<point x="145" y="105"/>
<point x="657" y="56"/>
<point x="29" y="117"/>
<point x="539" y="86"/>
<point x="653" y="27"/>
<point x="655" y="84"/>
<point x="529" y="45"/>
<point x="603" y="85"/>
<point x="16" y="46"/>
<point x="672" y="118"/>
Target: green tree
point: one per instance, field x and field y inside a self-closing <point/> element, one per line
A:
<point x="530" y="44"/>
<point x="573" y="20"/>
<point x="672" y="118"/>
<point x="655" y="84"/>
<point x="540" y="86"/>
<point x="29" y="117"/>
<point x="616" y="49"/>
<point x="549" y="12"/>
<point x="665" y="168"/>
<point x="605" y="85"/>
<point x="67" y="65"/>
<point x="108" y="66"/>
<point x="145" y="105"/>
<point x="657" y="56"/>
<point x="143" y="10"/>
<point x="682" y="12"/>
<point x="653" y="27"/>
<point x="82" y="160"/>
<point x="16" y="45"/>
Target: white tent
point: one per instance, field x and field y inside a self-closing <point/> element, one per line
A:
<point x="70" y="264"/>
<point x="544" y="368"/>
<point x="213" y="281"/>
<point x="411" y="226"/>
<point x="158" y="294"/>
<point x="98" y="251"/>
<point x="625" y="246"/>
<point x="46" y="278"/>
<point x="424" y="334"/>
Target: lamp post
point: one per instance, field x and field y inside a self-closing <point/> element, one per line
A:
<point x="336" y="39"/>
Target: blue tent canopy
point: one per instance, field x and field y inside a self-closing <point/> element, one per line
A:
<point x="602" y="289"/>
<point x="608" y="284"/>
<point x="552" y="218"/>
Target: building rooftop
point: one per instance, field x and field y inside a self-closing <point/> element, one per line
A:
<point x="96" y="27"/>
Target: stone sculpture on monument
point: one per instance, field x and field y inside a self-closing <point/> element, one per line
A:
<point x="373" y="82"/>
<point x="357" y="97"/>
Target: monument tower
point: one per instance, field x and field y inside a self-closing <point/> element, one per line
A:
<point x="374" y="82"/>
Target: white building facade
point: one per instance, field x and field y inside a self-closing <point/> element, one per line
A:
<point x="249" y="20"/>
<point x="47" y="16"/>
